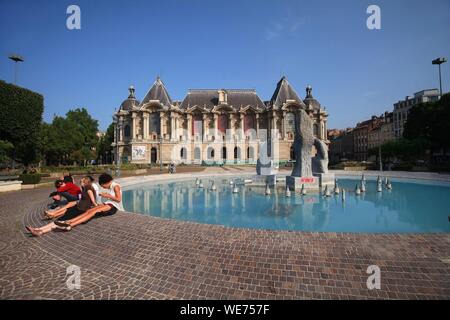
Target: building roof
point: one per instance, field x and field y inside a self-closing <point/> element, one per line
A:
<point x="208" y="98"/>
<point x="284" y="92"/>
<point x="131" y="102"/>
<point x="158" y="92"/>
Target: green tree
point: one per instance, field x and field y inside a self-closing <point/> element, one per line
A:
<point x="104" y="148"/>
<point x="21" y="115"/>
<point x="428" y="124"/>
<point x="69" y="139"/>
<point x="5" y="151"/>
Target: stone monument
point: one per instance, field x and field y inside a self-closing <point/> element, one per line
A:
<point x="303" y="143"/>
<point x="320" y="164"/>
<point x="265" y="172"/>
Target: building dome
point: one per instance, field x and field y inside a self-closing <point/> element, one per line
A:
<point x="309" y="100"/>
<point x="131" y="102"/>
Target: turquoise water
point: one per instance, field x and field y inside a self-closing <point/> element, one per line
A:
<point x="408" y="207"/>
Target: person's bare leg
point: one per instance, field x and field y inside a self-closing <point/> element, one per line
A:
<point x="88" y="215"/>
<point x="59" y="212"/>
<point x="42" y="230"/>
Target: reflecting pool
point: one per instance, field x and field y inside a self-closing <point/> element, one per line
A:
<point x="408" y="207"/>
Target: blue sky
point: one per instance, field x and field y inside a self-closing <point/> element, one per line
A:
<point x="354" y="72"/>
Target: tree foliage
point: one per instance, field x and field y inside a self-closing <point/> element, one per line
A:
<point x="430" y="122"/>
<point x="69" y="139"/>
<point x="402" y="149"/>
<point x="104" y="148"/>
<point x="426" y="129"/>
<point x="21" y="116"/>
<point x="6" y="148"/>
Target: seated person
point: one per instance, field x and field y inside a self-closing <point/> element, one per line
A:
<point x="73" y="209"/>
<point x="65" y="189"/>
<point x="96" y="188"/>
<point x="111" y="198"/>
<point x="69" y="177"/>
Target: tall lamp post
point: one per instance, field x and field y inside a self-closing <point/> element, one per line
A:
<point x="379" y="150"/>
<point x="439" y="61"/>
<point x="160" y="153"/>
<point x="118" y="123"/>
<point x="16" y="58"/>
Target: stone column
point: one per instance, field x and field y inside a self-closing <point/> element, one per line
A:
<point x="134" y="133"/>
<point x="145" y="126"/>
<point x="273" y="126"/>
<point x="216" y="126"/>
<point x="257" y="125"/>
<point x="232" y="125"/>
<point x="175" y="130"/>
<point x="161" y="124"/>
<point x="241" y="124"/>
<point x="321" y="130"/>
<point x="172" y="127"/>
<point x="204" y="127"/>
<point x="189" y="127"/>
<point x="121" y="129"/>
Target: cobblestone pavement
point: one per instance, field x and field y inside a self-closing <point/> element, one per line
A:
<point x="132" y="256"/>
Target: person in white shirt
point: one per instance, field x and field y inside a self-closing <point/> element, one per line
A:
<point x="111" y="199"/>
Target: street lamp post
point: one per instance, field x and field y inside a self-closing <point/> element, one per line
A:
<point x="439" y="61"/>
<point x="379" y="150"/>
<point x="16" y="58"/>
<point x="118" y="123"/>
<point x="160" y="153"/>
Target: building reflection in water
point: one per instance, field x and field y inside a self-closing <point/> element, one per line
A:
<point x="402" y="208"/>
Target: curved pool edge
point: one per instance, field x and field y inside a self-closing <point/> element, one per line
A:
<point x="410" y="176"/>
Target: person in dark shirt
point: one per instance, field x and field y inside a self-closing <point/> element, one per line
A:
<point x="72" y="210"/>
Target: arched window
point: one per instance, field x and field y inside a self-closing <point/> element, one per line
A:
<point x="153" y="155"/>
<point x="224" y="153"/>
<point x="250" y="153"/>
<point x="210" y="153"/>
<point x="292" y="153"/>
<point x="183" y="153"/>
<point x="127" y="131"/>
<point x="316" y="129"/>
<point x="289" y="123"/>
<point x="249" y="122"/>
<point x="222" y="122"/>
<point x="197" y="124"/>
<point x="197" y="153"/>
<point x="154" y="123"/>
<point x="236" y="153"/>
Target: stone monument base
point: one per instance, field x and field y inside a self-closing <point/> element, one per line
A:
<point x="295" y="183"/>
<point x="269" y="171"/>
<point x="261" y="180"/>
<point x="325" y="179"/>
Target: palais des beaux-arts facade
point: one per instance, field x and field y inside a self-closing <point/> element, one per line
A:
<point x="211" y="126"/>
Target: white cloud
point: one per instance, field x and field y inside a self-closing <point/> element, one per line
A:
<point x="274" y="30"/>
<point x="285" y="26"/>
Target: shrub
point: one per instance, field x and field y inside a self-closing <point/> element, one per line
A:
<point x="440" y="167"/>
<point x="30" y="178"/>
<point x="404" y="166"/>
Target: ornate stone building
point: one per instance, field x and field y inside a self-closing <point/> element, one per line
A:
<point x="212" y="126"/>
